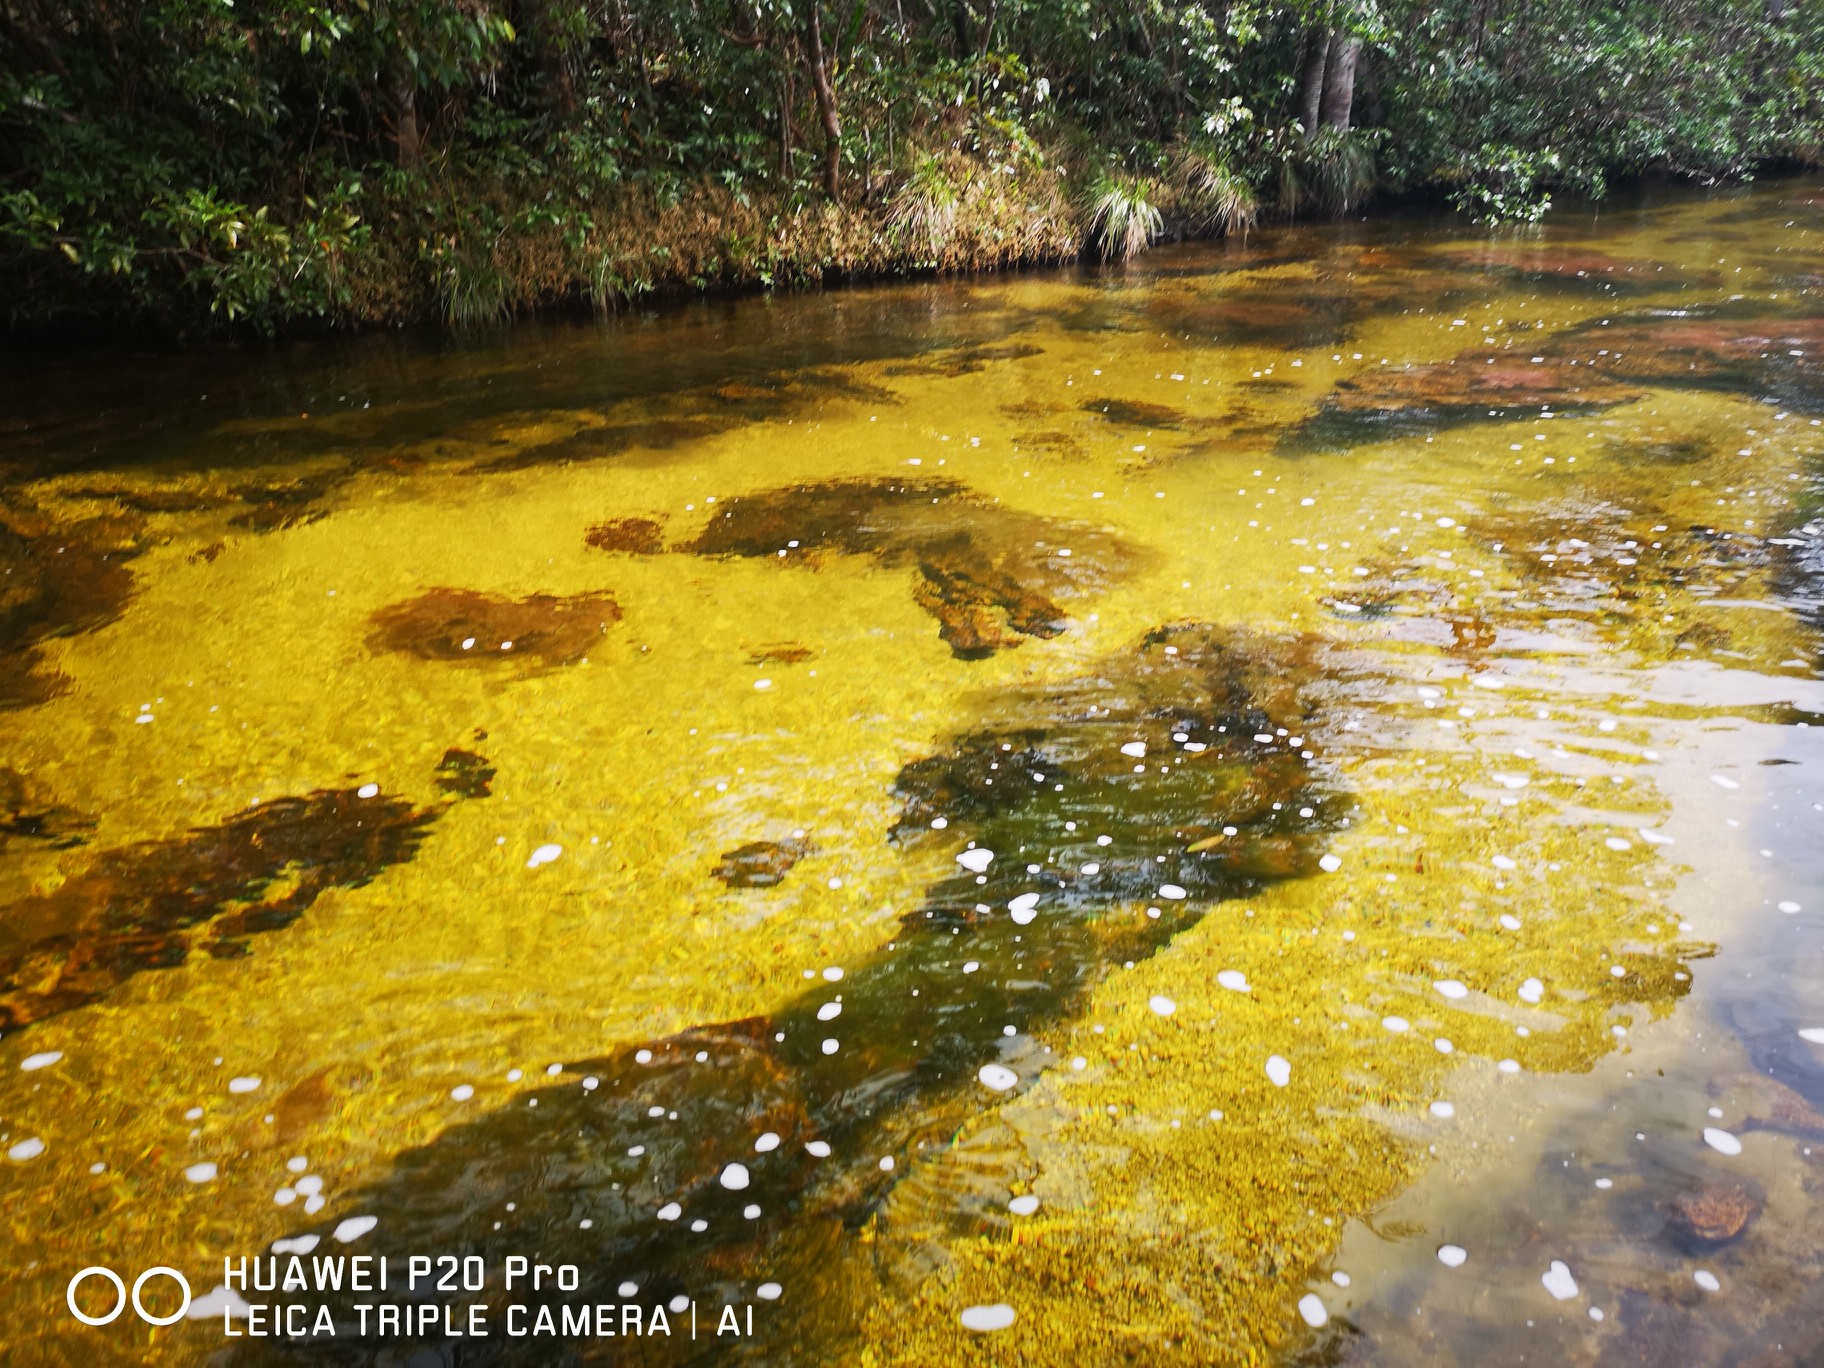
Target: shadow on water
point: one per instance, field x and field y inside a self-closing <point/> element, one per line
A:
<point x="1091" y="822"/>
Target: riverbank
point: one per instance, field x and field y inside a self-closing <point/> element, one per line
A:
<point x="274" y="169"/>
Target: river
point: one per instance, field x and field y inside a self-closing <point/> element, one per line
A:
<point x="1259" y="807"/>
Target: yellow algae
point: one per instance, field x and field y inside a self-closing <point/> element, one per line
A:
<point x="659" y="829"/>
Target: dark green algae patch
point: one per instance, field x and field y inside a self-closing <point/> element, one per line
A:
<point x="807" y="1118"/>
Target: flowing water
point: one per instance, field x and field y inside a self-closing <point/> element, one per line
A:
<point x="1261" y="807"/>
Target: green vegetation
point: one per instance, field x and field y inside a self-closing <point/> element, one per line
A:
<point x="277" y="161"/>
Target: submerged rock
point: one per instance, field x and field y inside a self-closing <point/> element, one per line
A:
<point x="638" y="536"/>
<point x="1132" y="413"/>
<point x="1565" y="266"/>
<point x="990" y="575"/>
<point x="965" y="360"/>
<point x="466" y="626"/>
<point x="879" y="1058"/>
<point x="152" y="904"/>
<point x="760" y="864"/>
<point x="1713" y="1214"/>
<point x="1388" y="402"/>
<point x="1724" y="349"/>
<point x="1593" y="366"/>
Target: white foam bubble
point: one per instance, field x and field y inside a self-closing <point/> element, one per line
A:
<point x="368" y="791"/>
<point x="1815" y="1034"/>
<point x="44" y="1060"/>
<point x="1234" y="980"/>
<point x="352" y="1229"/>
<point x="1559" y="1282"/>
<point x="983" y="1319"/>
<point x="1444" y="1111"/>
<point x="818" y="1149"/>
<point x="462" y="1092"/>
<point x="669" y="1212"/>
<point x="1707" y="1280"/>
<point x="1023" y="1206"/>
<point x="298" y="1244"/>
<point x="767" y="1143"/>
<point x="976" y="860"/>
<point x="1137" y="749"/>
<point x="1396" y="1024"/>
<point x="1531" y="991"/>
<point x="1172" y="892"/>
<point x="1330" y="863"/>
<point x="1510" y="921"/>
<point x="829" y="1011"/>
<point x="735" y="1178"/>
<point x="544" y="855"/>
<point x="26" y="1149"/>
<point x="204" y="1172"/>
<point x="1279" y="1071"/>
<point x="1789" y="907"/>
<point x="768" y="1291"/>
<point x="1452" y="1256"/>
<point x="997" y="1076"/>
<point x="1724" y="781"/>
<point x="1022" y="908"/>
<point x="1311" y="1308"/>
<point x="245" y="1084"/>
<point x="1451" y="989"/>
<point x="1503" y="862"/>
<point x="1509" y="1066"/>
<point x="1721" y="1141"/>
<point x="1161" y="1005"/>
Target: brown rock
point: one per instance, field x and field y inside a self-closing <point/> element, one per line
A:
<point x="1714" y="1214"/>
<point x="639" y="536"/>
<point x="760" y="864"/>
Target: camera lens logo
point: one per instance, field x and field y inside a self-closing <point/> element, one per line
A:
<point x="121" y="1297"/>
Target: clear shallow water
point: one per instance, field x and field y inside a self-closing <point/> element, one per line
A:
<point x="425" y="759"/>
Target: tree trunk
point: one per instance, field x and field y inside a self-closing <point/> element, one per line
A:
<point x="552" y="44"/>
<point x="826" y="101"/>
<point x="1311" y="80"/>
<point x="785" y="124"/>
<point x="408" y="143"/>
<point x="1339" y="81"/>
